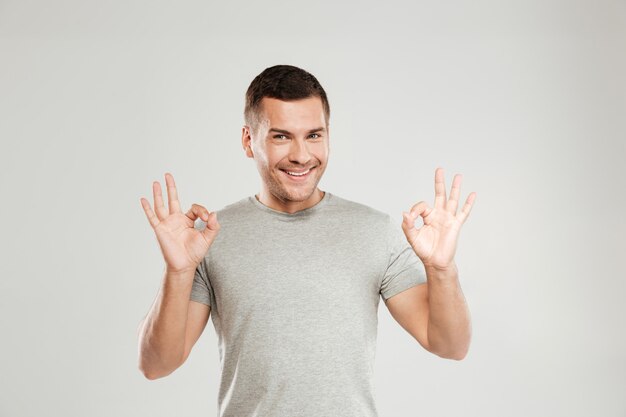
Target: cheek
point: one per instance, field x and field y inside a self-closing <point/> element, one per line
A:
<point x="322" y="152"/>
<point x="263" y="157"/>
<point x="279" y="158"/>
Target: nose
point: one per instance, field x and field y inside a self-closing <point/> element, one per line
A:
<point x="299" y="152"/>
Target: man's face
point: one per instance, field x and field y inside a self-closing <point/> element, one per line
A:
<point x="291" y="136"/>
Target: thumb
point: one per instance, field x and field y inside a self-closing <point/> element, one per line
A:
<point x="408" y="227"/>
<point x="408" y="221"/>
<point x="212" y="227"/>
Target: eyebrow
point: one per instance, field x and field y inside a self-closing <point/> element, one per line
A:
<point x="286" y="132"/>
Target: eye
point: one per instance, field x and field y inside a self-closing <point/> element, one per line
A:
<point x="278" y="136"/>
<point x="318" y="136"/>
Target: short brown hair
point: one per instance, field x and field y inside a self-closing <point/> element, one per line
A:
<point x="283" y="82"/>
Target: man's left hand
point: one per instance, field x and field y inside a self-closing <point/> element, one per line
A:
<point x="435" y="242"/>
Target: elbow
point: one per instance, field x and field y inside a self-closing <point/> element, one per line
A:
<point x="457" y="353"/>
<point x="149" y="375"/>
<point x="455" y="349"/>
<point x="147" y="372"/>
<point x="152" y="377"/>
<point x="152" y="374"/>
<point x="457" y="356"/>
<point x="151" y="371"/>
<point x="154" y="365"/>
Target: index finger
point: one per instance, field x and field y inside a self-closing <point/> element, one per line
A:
<point x="172" y="194"/>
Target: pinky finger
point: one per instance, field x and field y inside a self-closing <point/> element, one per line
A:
<point x="152" y="218"/>
<point x="467" y="207"/>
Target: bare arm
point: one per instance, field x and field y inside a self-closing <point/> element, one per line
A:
<point x="436" y="313"/>
<point x="171" y="328"/>
<point x="174" y="323"/>
<point x="449" y="324"/>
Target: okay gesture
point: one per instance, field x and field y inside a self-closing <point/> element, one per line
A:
<point x="435" y="242"/>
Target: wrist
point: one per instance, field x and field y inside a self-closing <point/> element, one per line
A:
<point x="440" y="271"/>
<point x="173" y="273"/>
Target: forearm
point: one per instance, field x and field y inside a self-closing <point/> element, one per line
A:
<point x="162" y="335"/>
<point x="449" y="323"/>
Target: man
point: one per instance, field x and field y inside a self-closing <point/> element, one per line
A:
<point x="293" y="275"/>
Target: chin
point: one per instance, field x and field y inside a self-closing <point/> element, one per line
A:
<point x="299" y="196"/>
<point x="291" y="192"/>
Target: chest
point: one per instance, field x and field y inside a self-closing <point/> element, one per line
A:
<point x="299" y="276"/>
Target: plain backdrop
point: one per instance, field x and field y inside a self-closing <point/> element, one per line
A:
<point x="526" y="99"/>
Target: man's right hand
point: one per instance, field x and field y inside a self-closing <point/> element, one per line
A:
<point x="183" y="246"/>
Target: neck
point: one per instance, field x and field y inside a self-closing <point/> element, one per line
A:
<point x="289" y="206"/>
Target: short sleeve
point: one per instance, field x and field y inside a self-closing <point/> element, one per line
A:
<point x="404" y="267"/>
<point x="201" y="291"/>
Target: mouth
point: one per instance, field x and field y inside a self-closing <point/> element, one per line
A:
<point x="298" y="176"/>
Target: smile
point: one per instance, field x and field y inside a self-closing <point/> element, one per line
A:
<point x="298" y="176"/>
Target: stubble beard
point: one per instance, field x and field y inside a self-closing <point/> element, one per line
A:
<point x="293" y="192"/>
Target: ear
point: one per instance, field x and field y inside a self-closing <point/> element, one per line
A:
<point x="246" y="141"/>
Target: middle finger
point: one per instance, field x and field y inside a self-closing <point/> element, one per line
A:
<point x="172" y="194"/>
<point x="453" y="202"/>
<point x="159" y="207"/>
<point x="440" y="189"/>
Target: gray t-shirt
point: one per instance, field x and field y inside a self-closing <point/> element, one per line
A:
<point x="294" y="302"/>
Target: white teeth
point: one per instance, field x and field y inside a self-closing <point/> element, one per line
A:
<point x="298" y="174"/>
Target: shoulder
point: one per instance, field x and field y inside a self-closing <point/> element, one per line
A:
<point x="235" y="209"/>
<point x="360" y="210"/>
<point x="230" y="213"/>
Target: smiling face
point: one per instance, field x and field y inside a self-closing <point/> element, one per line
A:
<point x="292" y="136"/>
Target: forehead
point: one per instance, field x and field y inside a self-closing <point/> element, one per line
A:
<point x="294" y="114"/>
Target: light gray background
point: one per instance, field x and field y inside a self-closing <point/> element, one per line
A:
<point x="526" y="99"/>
